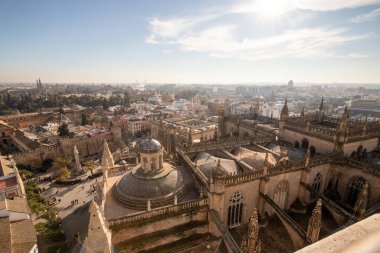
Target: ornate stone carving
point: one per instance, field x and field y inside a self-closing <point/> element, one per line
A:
<point x="315" y="223"/>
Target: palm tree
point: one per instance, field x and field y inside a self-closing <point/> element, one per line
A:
<point x="90" y="165"/>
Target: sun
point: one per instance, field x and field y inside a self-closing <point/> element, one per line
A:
<point x="272" y="8"/>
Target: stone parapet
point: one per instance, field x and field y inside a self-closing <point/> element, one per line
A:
<point x="157" y="213"/>
<point x="240" y="178"/>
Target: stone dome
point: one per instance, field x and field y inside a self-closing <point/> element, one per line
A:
<point x="151" y="145"/>
<point x="135" y="188"/>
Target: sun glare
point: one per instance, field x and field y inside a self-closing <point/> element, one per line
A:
<point x="272" y="8"/>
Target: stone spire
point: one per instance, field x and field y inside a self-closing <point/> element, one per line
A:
<point x="107" y="157"/>
<point x="257" y="106"/>
<point x="219" y="170"/>
<point x="253" y="228"/>
<point x="361" y="202"/>
<point x="321" y="105"/>
<point x="315" y="223"/>
<point x="98" y="236"/>
<point x="344" y="120"/>
<point x="285" y="111"/>
<point x="252" y="244"/>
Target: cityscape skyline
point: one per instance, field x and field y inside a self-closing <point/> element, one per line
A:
<point x="190" y="42"/>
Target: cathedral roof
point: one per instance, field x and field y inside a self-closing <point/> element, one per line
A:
<point x="254" y="158"/>
<point x="208" y="164"/>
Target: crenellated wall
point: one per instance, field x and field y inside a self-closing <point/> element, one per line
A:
<point x="87" y="147"/>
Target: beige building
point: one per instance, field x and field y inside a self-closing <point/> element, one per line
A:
<point x="11" y="184"/>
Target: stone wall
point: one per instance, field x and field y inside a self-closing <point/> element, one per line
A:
<point x="250" y="191"/>
<point x="293" y="178"/>
<point x="308" y="177"/>
<point x="349" y="173"/>
<point x="321" y="146"/>
<point x="128" y="233"/>
<point x="121" y="234"/>
<point x="369" y="144"/>
<point x="88" y="147"/>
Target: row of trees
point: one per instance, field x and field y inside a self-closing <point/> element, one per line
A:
<point x="26" y="103"/>
<point x="49" y="229"/>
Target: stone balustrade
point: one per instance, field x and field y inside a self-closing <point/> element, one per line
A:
<point x="231" y="142"/>
<point x="120" y="168"/>
<point x="240" y="178"/>
<point x="286" y="166"/>
<point x="363" y="166"/>
<point x="159" y="212"/>
<point x="320" y="135"/>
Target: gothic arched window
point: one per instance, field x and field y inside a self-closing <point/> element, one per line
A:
<point x="280" y="196"/>
<point x="355" y="188"/>
<point x="235" y="210"/>
<point x="317" y="183"/>
<point x="312" y="151"/>
<point x="296" y="144"/>
<point x="305" y="143"/>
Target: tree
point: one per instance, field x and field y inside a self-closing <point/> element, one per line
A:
<point x="84" y="119"/>
<point x="127" y="98"/>
<point x="90" y="166"/>
<point x="105" y="104"/>
<point x="63" y="174"/>
<point x="24" y="174"/>
<point x="63" y="130"/>
<point x="61" y="162"/>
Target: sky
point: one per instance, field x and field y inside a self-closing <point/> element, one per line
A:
<point x="192" y="41"/>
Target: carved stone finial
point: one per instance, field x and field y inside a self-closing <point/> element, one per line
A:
<point x="148" y="206"/>
<point x="361" y="203"/>
<point x="253" y="232"/>
<point x="315" y="222"/>
<point x="219" y="170"/>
